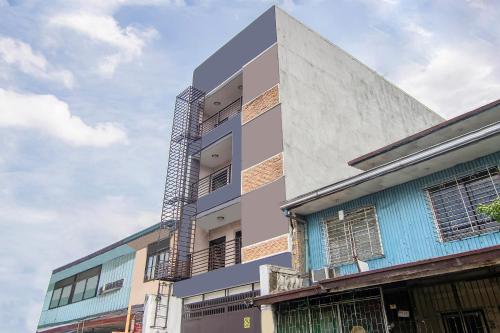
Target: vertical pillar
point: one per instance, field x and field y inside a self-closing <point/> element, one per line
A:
<point x="267" y="318"/>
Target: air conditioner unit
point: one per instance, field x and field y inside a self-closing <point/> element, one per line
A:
<point x="322" y="274"/>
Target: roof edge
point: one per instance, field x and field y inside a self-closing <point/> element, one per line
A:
<point x="423" y="133"/>
<point x="401" y="163"/>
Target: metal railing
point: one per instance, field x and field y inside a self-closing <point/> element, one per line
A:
<point x="214" y="181"/>
<point x="216" y="256"/>
<point x="223" y="115"/>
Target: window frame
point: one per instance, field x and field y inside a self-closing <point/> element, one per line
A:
<point x="153" y="251"/>
<point x="461" y="184"/>
<point x="72" y="281"/>
<point x="334" y="218"/>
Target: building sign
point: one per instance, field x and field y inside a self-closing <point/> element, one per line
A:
<point x="246" y="322"/>
<point x="110" y="287"/>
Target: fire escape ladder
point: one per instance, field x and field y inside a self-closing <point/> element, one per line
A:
<point x="181" y="192"/>
<point x="161" y="307"/>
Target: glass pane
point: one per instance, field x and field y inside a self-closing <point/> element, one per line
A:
<point x="79" y="289"/>
<point x="91" y="288"/>
<point x="149" y="269"/>
<point x="65" y="295"/>
<point x="55" y="298"/>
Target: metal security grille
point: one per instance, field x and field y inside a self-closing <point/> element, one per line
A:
<point x="219" y="305"/>
<point x="454" y="204"/>
<point x="360" y="311"/>
<point x="356" y="236"/>
<point x="214" y="181"/>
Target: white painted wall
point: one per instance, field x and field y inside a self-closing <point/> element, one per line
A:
<point x="334" y="109"/>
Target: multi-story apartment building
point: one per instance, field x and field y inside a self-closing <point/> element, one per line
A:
<point x="401" y="246"/>
<point x="273" y="114"/>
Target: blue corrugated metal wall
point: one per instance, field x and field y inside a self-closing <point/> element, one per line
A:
<point x="406" y="225"/>
<point x="116" y="264"/>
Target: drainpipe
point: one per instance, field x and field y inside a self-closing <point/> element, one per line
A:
<point x="127" y="323"/>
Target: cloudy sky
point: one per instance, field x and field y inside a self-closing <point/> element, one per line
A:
<point x="87" y="90"/>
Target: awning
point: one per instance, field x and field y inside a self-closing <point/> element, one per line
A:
<point x="471" y="260"/>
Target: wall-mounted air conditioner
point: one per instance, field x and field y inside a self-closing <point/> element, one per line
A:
<point x="322" y="274"/>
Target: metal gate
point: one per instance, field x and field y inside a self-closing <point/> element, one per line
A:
<point x="229" y="314"/>
<point x="465" y="306"/>
<point x="353" y="312"/>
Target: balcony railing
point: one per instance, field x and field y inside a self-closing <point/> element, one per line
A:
<point x="216" y="256"/>
<point x="214" y="181"/>
<point x="223" y="115"/>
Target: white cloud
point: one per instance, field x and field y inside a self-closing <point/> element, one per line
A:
<point x="453" y="81"/>
<point x="20" y="54"/>
<point x="53" y="242"/>
<point x="94" y="19"/>
<point x="52" y="116"/>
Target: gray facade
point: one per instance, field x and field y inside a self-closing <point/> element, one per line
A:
<point x="233" y="189"/>
<point x="230" y="58"/>
<point x="334" y="108"/>
<point x="228" y="277"/>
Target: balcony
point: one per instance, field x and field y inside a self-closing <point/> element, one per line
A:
<point x="221" y="116"/>
<point x="214" y="181"/>
<point x="218" y="255"/>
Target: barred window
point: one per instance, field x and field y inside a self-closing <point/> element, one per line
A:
<point x="454" y="204"/>
<point x="357" y="235"/>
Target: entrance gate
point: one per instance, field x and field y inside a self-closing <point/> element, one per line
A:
<point x="354" y="312"/>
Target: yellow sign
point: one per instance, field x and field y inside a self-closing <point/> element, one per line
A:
<point x="246" y="322"/>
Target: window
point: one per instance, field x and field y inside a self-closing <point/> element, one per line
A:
<point x="220" y="178"/>
<point x="158" y="255"/>
<point x="356" y="235"/>
<point x="75" y="288"/>
<point x="454" y="204"/>
<point x="467" y="321"/>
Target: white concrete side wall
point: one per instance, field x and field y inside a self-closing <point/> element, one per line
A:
<point x="334" y="109"/>
<point x="174" y="315"/>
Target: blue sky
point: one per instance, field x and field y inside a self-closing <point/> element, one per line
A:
<point x="87" y="90"/>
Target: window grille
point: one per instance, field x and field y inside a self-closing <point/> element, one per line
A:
<point x="357" y="235"/>
<point x="454" y="204"/>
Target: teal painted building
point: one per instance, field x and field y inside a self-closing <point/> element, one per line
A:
<point x="405" y="220"/>
<point x="116" y="264"/>
<point x="96" y="287"/>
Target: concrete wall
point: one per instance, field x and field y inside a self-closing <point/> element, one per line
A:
<point x="227" y="277"/>
<point x="334" y="108"/>
<point x="407" y="228"/>
<point x="141" y="288"/>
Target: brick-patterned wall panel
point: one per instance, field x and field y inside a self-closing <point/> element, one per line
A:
<point x="265" y="248"/>
<point x="262" y="173"/>
<point x="261" y="104"/>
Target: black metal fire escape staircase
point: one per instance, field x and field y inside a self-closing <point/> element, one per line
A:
<point x="179" y="201"/>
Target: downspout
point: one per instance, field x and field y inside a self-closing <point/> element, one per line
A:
<point x="127" y="323"/>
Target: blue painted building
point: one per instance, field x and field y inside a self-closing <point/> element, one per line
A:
<point x="401" y="246"/>
<point x="405" y="221"/>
